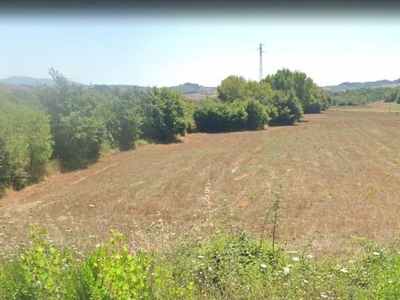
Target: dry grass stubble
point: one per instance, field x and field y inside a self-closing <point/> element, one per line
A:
<point x="342" y="177"/>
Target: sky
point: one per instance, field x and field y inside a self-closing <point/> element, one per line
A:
<point x="167" y="49"/>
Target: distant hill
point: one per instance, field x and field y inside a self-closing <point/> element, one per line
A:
<point x="185" y="89"/>
<point x="359" y="85"/>
<point x="193" y="88"/>
<point x="25" y="80"/>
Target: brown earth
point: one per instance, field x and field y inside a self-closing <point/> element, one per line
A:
<point x="340" y="174"/>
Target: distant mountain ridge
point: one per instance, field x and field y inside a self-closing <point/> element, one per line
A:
<point x="186" y="88"/>
<point x="359" y="85"/>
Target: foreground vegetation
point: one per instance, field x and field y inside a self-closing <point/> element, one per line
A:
<point x="228" y="264"/>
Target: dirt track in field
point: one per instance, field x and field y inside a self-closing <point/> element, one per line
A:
<point x="342" y="179"/>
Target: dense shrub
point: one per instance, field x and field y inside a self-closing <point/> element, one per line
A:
<point x="167" y="115"/>
<point x="216" y="116"/>
<point x="25" y="145"/>
<point x="286" y="110"/>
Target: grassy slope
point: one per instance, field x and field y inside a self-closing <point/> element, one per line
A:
<point x="342" y="177"/>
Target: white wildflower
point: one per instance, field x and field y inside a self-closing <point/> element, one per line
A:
<point x="263" y="266"/>
<point x="286" y="270"/>
<point x="376" y="253"/>
<point x="344" y="270"/>
<point x="296" y="258"/>
<point x="324" y="296"/>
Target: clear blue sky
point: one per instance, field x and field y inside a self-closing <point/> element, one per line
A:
<point x="167" y="50"/>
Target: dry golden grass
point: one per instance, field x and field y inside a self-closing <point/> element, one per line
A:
<point x="342" y="179"/>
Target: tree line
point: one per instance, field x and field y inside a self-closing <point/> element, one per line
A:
<point x="364" y="96"/>
<point x="75" y="124"/>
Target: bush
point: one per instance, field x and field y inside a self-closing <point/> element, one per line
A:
<point x="167" y="116"/>
<point x="216" y="116"/>
<point x="287" y="108"/>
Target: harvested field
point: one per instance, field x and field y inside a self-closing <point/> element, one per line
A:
<point x="340" y="173"/>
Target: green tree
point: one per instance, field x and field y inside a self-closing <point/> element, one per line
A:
<point x="391" y="95"/>
<point x="125" y="119"/>
<point x="167" y="115"/>
<point x="77" y="124"/>
<point x="311" y="97"/>
<point x="257" y="115"/>
<point x="232" y="88"/>
<point x="258" y="90"/>
<point x="286" y="108"/>
<point x="6" y="168"/>
<point x="27" y="143"/>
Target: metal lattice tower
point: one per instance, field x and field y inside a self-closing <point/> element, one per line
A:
<point x="261" y="64"/>
<point x="261" y="69"/>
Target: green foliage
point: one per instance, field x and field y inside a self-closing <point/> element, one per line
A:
<point x="78" y="139"/>
<point x="392" y="95"/>
<point x="77" y="125"/>
<point x="226" y="266"/>
<point x="6" y="168"/>
<point x="286" y="108"/>
<point x="257" y="115"/>
<point x="231" y="88"/>
<point x="311" y="97"/>
<point x="167" y="115"/>
<point x="354" y="97"/>
<point x="46" y="271"/>
<point x="216" y="116"/>
<point x="124" y="118"/>
<point x="26" y="145"/>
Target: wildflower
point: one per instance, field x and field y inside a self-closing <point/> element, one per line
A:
<point x="390" y="281"/>
<point x="324" y="296"/>
<point x="376" y="253"/>
<point x="200" y="256"/>
<point x="344" y="270"/>
<point x="286" y="270"/>
<point x="64" y="267"/>
<point x="295" y="258"/>
<point x="263" y="266"/>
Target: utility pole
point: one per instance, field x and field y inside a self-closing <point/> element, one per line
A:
<point x="261" y="67"/>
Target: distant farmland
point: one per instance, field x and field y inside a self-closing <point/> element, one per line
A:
<point x="340" y="172"/>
